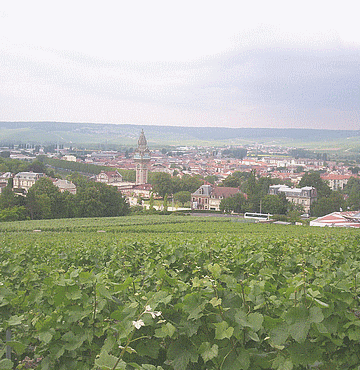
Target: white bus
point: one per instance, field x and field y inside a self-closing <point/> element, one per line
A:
<point x="258" y="216"/>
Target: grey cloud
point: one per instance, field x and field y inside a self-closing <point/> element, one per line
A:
<point x="299" y="78"/>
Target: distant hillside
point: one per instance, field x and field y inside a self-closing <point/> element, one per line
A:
<point x="110" y="135"/>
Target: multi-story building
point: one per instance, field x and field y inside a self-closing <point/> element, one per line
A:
<point x="109" y="177"/>
<point x="305" y="196"/>
<point x="65" y="185"/>
<point x="336" y="181"/>
<point x="25" y="180"/>
<point x="209" y="197"/>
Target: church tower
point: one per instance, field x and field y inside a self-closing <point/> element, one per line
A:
<point x="142" y="159"/>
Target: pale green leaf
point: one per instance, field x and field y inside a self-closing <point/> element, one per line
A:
<point x="207" y="351"/>
<point x="255" y="321"/>
<point x="215" y="301"/>
<point x="107" y="362"/>
<point x="15" y="320"/>
<point x="222" y="330"/>
<point x="167" y="330"/>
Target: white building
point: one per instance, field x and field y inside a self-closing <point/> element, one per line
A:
<point x="305" y="196"/>
<point x="25" y="180"/>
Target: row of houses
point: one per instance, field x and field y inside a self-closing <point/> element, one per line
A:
<point x="209" y="197"/>
<point x="23" y="181"/>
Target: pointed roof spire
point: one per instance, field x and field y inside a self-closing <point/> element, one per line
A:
<point x="142" y="143"/>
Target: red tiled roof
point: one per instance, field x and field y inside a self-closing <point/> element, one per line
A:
<point x="224" y="192"/>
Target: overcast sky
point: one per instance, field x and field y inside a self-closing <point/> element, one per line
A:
<point x="185" y="63"/>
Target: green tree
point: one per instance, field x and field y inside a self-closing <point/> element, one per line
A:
<point x="274" y="204"/>
<point x="352" y="190"/>
<point x="36" y="166"/>
<point x="314" y="179"/>
<point x="190" y="183"/>
<point x="162" y="183"/>
<point x="330" y="204"/>
<point x="44" y="200"/>
<point x="236" y="179"/>
<point x="165" y="203"/>
<point x="151" y="201"/>
<point x="211" y="179"/>
<point x="237" y="203"/>
<point x="100" y="200"/>
<point x="16" y="213"/>
<point x="182" y="197"/>
<point x="8" y="199"/>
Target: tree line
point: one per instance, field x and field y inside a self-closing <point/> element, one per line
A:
<point x="45" y="201"/>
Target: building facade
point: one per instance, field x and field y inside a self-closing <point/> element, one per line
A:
<point x="304" y="197"/>
<point x="65" y="185"/>
<point x="109" y="177"/>
<point x="209" y="197"/>
<point x="142" y="159"/>
<point x="25" y="180"/>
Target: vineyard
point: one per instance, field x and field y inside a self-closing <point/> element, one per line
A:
<point x="178" y="292"/>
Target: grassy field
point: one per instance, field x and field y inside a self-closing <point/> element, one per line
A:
<point x="178" y="292"/>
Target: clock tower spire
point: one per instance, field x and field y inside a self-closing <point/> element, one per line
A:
<point x="142" y="159"/>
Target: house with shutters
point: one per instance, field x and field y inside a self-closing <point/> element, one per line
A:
<point x="109" y="177"/>
<point x="304" y="196"/>
<point x="65" y="185"/>
<point x="25" y="180"/>
<point x="209" y="197"/>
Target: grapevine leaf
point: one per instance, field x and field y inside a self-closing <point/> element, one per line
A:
<point x="181" y="352"/>
<point x="73" y="341"/>
<point x="237" y="362"/>
<point x="45" y="336"/>
<point x="15" y="320"/>
<point x="305" y="353"/>
<point x="149" y="348"/>
<point x="194" y="305"/>
<point x="222" y="330"/>
<point x="106" y="361"/>
<point x="215" y="301"/>
<point x="165" y="331"/>
<point x="316" y="315"/>
<point x="207" y="351"/>
<point x="102" y="291"/>
<point x="18" y="347"/>
<point x="253" y="336"/>
<point x="255" y="321"/>
<point x="281" y="363"/>
<point x="299" y="324"/>
<point x="279" y="334"/>
<point x="215" y="270"/>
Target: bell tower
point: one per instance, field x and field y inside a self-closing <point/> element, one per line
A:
<point x="142" y="159"/>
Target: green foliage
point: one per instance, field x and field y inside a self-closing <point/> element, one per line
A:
<point x="163" y="183"/>
<point x="85" y="168"/>
<point x="16" y="213"/>
<point x="274" y="204"/>
<point x="238" y="153"/>
<point x="99" y="200"/>
<point x="352" y="190"/>
<point x="211" y="179"/>
<point x="236" y="179"/>
<point x="163" y="293"/>
<point x="44" y="200"/>
<point x="236" y="203"/>
<point x="182" y="197"/>
<point x="333" y="203"/>
<point x="314" y="179"/>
